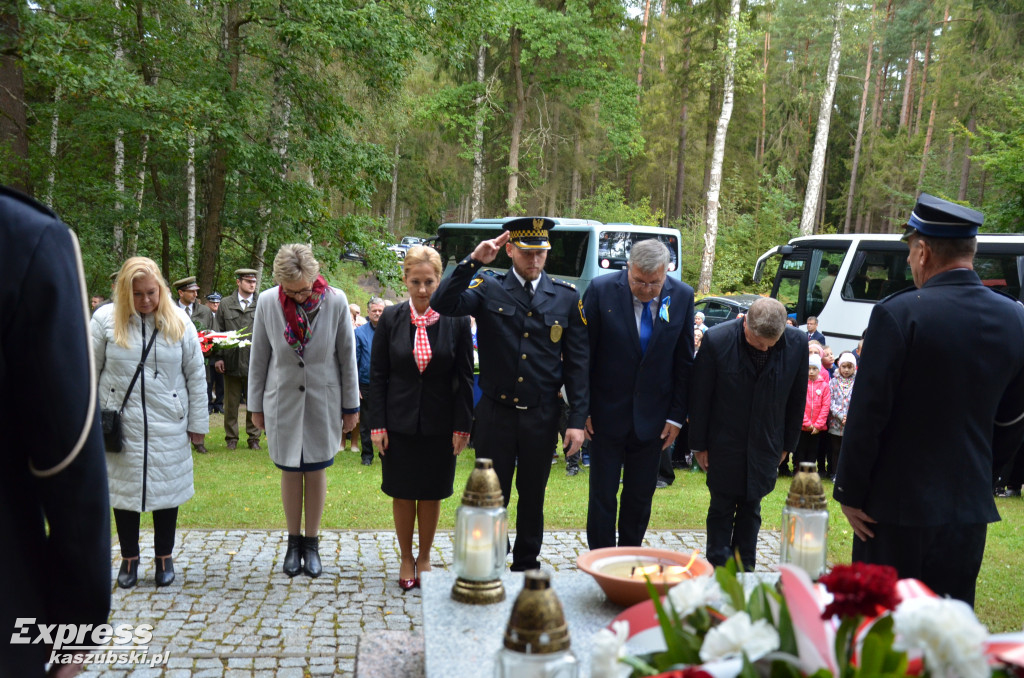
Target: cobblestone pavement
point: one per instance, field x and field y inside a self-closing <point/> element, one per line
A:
<point x="232" y="613"/>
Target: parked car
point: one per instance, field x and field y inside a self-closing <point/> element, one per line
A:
<point x="353" y="252"/>
<point x="410" y="241"/>
<point x="720" y="309"/>
<point x="398" y="250"/>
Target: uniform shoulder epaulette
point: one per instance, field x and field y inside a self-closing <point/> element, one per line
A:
<point x="484" y="273"/>
<point x="564" y="283"/>
<point x="13" y="194"/>
<point x="897" y="293"/>
<point x="490" y="272"/>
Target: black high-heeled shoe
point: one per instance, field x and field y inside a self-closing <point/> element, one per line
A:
<point x="311" y="556"/>
<point x="164" y="570"/>
<point x="293" y="556"/>
<point x="128" y="576"/>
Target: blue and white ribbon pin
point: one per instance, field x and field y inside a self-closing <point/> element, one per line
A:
<point x="663" y="313"/>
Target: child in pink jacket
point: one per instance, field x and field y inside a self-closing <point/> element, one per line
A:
<point x="815" y="414"/>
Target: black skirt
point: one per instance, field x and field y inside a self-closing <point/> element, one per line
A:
<point x="418" y="467"/>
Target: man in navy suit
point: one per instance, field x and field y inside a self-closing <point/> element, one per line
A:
<point x="640" y="326"/>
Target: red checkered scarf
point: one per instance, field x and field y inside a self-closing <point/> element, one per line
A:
<point x="421" y="347"/>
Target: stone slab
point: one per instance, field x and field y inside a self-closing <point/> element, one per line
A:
<point x="390" y="654"/>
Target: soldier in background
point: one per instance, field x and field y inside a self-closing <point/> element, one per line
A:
<point x="236" y="312"/>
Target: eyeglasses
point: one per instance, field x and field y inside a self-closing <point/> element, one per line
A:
<point x="646" y="285"/>
<point x="297" y="293"/>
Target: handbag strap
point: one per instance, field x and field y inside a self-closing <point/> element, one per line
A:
<point x="138" y="369"/>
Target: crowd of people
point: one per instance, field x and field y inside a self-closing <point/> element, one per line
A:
<point x="629" y="369"/>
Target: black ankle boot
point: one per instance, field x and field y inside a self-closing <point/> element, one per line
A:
<point x="293" y="556"/>
<point x="128" y="576"/>
<point x="164" y="571"/>
<point x="311" y="556"/>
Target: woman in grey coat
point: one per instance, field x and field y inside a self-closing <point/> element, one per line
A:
<point x="303" y="390"/>
<point x="165" y="410"/>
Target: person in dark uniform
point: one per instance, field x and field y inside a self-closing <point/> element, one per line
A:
<point x="237" y="312"/>
<point x="532" y="338"/>
<point x="188" y="293"/>
<point x="746" y="405"/>
<point x="935" y="412"/>
<point x="214" y="379"/>
<point x="641" y="349"/>
<point x="54" y="512"/>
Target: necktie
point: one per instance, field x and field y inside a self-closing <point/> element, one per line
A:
<point x="646" y="326"/>
<point x="245" y="303"/>
<point x="529" y="288"/>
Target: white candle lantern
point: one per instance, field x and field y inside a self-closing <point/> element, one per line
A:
<point x="805" y="523"/>
<point x="481" y="538"/>
<point x="537" y="637"/>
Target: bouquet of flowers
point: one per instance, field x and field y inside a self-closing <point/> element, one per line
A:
<point x="209" y="340"/>
<point x="858" y="621"/>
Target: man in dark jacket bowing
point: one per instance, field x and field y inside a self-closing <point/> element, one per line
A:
<point x="936" y="412"/>
<point x="640" y="325"/>
<point x="746" y="408"/>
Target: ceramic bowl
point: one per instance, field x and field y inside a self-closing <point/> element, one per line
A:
<point x="611" y="568"/>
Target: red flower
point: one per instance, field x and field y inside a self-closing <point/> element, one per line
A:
<point x="860" y="590"/>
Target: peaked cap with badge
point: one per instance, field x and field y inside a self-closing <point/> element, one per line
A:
<point x="937" y="218"/>
<point x="188" y="283"/>
<point x="530" y="233"/>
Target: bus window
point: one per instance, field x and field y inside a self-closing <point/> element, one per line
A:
<point x="566" y="258"/>
<point x="788" y="292"/>
<point x="825" y="269"/>
<point x="875" y="275"/>
<point x="1001" y="272"/>
<point x="613" y="248"/>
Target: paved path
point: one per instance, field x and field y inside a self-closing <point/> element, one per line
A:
<point x="232" y="613"/>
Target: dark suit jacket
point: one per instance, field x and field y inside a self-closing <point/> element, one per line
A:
<point x="54" y="518"/>
<point x="402" y="400"/>
<point x="631" y="389"/>
<point x="745" y="420"/>
<point x="922" y="436"/>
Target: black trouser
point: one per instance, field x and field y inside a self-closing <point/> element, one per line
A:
<point x="638" y="461"/>
<point x="666" y="471"/>
<point x="807" y="450"/>
<point x="732" y="525"/>
<point x="214" y="388"/>
<point x="365" y="442"/>
<point x="519" y="442"/>
<point x="832" y="462"/>
<point x="947" y="558"/>
<point x="164" y="525"/>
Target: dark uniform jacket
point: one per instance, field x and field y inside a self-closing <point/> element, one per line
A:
<point x="528" y="347"/>
<point x="54" y="470"/>
<point x="921" y="437"/>
<point x="202" y="316"/>
<point x="650" y="386"/>
<point x="745" y="420"/>
<point x="230" y="316"/>
<point x="402" y="400"/>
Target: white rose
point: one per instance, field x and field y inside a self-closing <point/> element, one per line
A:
<point x="690" y="594"/>
<point x="737" y="634"/>
<point x="608" y="647"/>
<point x="948" y="633"/>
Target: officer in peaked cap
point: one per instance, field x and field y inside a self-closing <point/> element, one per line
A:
<point x="936" y="410"/>
<point x="532" y="339"/>
<point x="214" y="297"/>
<point x="188" y="292"/>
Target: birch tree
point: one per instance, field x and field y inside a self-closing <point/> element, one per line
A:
<point x="707" y="262"/>
<point x="821" y="134"/>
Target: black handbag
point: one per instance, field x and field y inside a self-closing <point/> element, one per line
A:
<point x="113" y="434"/>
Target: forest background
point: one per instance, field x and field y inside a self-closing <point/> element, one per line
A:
<point x="206" y="133"/>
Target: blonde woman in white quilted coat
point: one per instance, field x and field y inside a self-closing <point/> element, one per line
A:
<point x="165" y="411"/>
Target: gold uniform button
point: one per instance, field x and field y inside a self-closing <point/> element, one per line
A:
<point x="520" y="379"/>
<point x="524" y="356"/>
<point x="526" y="335"/>
<point x="515" y="400"/>
<point x="500" y="309"/>
<point x="529" y="314"/>
<point x="503" y="397"/>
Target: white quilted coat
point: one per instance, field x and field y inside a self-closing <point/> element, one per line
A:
<point x="155" y="473"/>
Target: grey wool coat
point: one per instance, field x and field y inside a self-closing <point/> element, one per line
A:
<point x="154" y="471"/>
<point x="302" y="399"/>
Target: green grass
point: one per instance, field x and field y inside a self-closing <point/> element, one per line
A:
<point x="241" y="489"/>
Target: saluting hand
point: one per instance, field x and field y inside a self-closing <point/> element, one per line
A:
<point x="488" y="250"/>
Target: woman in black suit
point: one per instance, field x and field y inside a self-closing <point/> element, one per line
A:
<point x="420" y="406"/>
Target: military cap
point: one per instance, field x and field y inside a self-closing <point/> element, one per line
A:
<point x="938" y="218"/>
<point x="529" y="233"/>
<point x="188" y="283"/>
<point x="214" y="297"/>
<point x="245" y="273"/>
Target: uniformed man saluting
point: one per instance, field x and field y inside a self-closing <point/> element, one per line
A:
<point x="532" y="338"/>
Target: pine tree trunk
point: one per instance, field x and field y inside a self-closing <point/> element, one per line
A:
<point x="707" y="262"/>
<point x="931" y="116"/>
<point x="576" y="190"/>
<point x="13" y="114"/>
<point x="643" y="45"/>
<point x="684" y="118"/>
<point x="764" y="95"/>
<point x="965" y="167"/>
<point x="858" y="142"/>
<point x="518" y="117"/>
<point x="393" y="200"/>
<point x="140" y="191"/>
<point x="908" y="86"/>
<point x="51" y="174"/>
<point x="821" y="134"/>
<point x="924" y="85"/>
<point x="478" y="136"/>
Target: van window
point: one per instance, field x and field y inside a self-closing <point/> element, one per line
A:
<point x="613" y="248"/>
<point x="875" y="275"/>
<point x="825" y="269"/>
<point x="1000" y="272"/>
<point x="566" y="258"/>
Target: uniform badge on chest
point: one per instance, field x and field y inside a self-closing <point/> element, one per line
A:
<point x="556" y="332"/>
